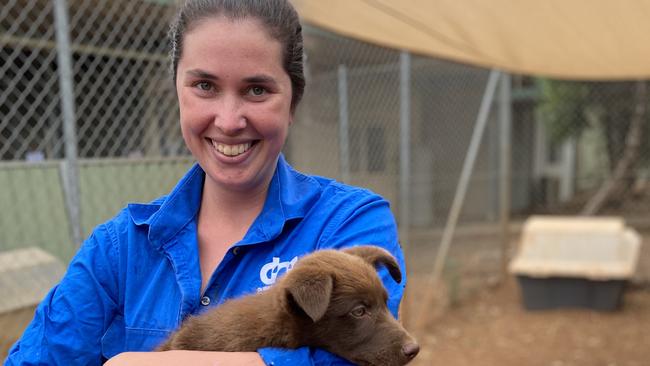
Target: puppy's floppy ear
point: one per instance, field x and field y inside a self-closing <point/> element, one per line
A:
<point x="311" y="290"/>
<point x="375" y="256"/>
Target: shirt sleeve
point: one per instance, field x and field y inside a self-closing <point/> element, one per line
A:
<point x="362" y="218"/>
<point x="69" y="323"/>
<point x="366" y="219"/>
<point x="304" y="356"/>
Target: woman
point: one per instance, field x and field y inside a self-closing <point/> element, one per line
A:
<point x="238" y="219"/>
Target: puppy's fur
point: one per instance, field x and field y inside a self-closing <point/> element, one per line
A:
<point x="331" y="299"/>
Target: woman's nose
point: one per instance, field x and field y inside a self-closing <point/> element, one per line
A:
<point x="229" y="116"/>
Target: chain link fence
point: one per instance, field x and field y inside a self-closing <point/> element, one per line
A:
<point x="398" y="124"/>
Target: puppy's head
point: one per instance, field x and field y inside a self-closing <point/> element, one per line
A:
<point x="342" y="306"/>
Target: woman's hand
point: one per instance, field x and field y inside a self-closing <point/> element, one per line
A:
<point x="194" y="358"/>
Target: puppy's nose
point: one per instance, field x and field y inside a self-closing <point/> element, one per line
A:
<point x="410" y="350"/>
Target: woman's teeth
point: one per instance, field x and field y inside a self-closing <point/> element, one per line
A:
<point x="231" y="150"/>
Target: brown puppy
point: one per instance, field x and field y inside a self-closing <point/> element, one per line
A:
<point x="331" y="299"/>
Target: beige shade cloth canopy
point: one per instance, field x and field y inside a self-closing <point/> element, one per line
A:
<point x="567" y="39"/>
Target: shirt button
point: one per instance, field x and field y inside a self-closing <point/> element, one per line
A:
<point x="235" y="250"/>
<point x="205" y="301"/>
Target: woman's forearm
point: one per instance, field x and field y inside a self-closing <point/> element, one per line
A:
<point x="195" y="358"/>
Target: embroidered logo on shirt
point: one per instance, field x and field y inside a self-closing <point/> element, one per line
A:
<point x="270" y="271"/>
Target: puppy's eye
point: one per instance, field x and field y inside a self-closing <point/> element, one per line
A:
<point x="359" y="311"/>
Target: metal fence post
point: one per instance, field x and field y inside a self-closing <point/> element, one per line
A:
<point x="461" y="190"/>
<point x="505" y="165"/>
<point x="405" y="146"/>
<point x="64" y="69"/>
<point x="466" y="174"/>
<point x="344" y="124"/>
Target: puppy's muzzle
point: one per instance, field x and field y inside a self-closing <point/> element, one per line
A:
<point x="410" y="350"/>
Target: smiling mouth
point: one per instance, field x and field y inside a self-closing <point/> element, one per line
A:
<point x="232" y="150"/>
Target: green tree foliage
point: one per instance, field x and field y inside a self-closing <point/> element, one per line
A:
<point x="619" y="110"/>
<point x="563" y="107"/>
<point x="566" y="107"/>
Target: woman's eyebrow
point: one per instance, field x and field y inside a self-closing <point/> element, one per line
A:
<point x="255" y="79"/>
<point x="260" y="79"/>
<point x="201" y="74"/>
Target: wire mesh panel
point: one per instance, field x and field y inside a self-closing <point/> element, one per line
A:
<point x="359" y="83"/>
<point x="29" y="103"/>
<point x="119" y="73"/>
<point x="125" y="113"/>
<point x="124" y="102"/>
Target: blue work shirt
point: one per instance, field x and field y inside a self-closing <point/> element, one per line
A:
<point x="137" y="276"/>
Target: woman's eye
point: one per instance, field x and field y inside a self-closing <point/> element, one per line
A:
<point x="204" y="86"/>
<point x="256" y="91"/>
<point x="358" y="312"/>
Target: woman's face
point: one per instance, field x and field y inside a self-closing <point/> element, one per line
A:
<point x="235" y="101"/>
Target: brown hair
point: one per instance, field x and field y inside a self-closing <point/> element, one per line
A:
<point x="279" y="17"/>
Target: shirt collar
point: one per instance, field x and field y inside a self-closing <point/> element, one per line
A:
<point x="166" y="217"/>
<point x="291" y="194"/>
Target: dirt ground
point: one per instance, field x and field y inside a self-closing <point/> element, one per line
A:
<point x="487" y="324"/>
<point x="493" y="329"/>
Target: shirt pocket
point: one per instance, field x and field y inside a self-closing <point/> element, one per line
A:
<point x="119" y="338"/>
